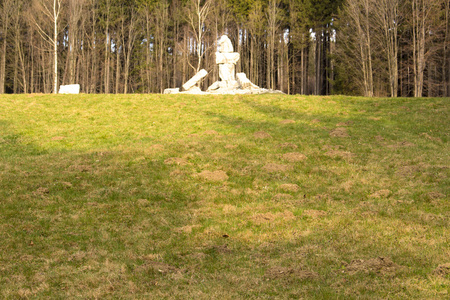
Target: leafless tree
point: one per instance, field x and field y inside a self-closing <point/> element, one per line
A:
<point x="48" y="12"/>
<point x="197" y="13"/>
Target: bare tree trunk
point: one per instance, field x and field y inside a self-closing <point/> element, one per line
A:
<point x="117" y="66"/>
<point x="107" y="62"/>
<point x="446" y="58"/>
<point x="5" y="15"/>
<point x="197" y="15"/>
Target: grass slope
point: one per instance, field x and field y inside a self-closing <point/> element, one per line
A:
<point x="268" y="196"/>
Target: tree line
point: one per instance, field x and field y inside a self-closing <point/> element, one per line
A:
<point x="321" y="47"/>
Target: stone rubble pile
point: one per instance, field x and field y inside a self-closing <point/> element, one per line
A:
<point x="229" y="83"/>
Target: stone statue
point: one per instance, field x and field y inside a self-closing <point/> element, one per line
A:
<point x="225" y="45"/>
<point x="230" y="82"/>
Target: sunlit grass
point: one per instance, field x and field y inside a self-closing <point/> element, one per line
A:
<point x="126" y="196"/>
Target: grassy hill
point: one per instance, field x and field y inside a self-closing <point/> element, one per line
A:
<point x="200" y="197"/>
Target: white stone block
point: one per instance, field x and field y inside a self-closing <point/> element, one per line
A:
<point x="244" y="82"/>
<point x="172" y="91"/>
<point x="227" y="58"/>
<point x="226" y="72"/>
<point x="69" y="89"/>
<point x="194" y="80"/>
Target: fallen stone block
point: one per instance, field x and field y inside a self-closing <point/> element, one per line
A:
<point x="69" y="89"/>
<point x="244" y="82"/>
<point x="194" y="80"/>
<point x="172" y="91"/>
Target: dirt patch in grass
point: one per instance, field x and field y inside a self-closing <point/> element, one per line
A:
<point x="41" y="191"/>
<point x="291" y="187"/>
<point x="315" y="213"/>
<point x="142" y="202"/>
<point x="229" y="146"/>
<point x="263" y="218"/>
<point x="289" y="272"/>
<point x="158" y="267"/>
<point x="273" y="168"/>
<point x="80" y="168"/>
<point x="401" y="144"/>
<point x="379" y="138"/>
<point x="379" y="265"/>
<point x="213" y="176"/>
<point x="380" y="194"/>
<point x="259" y="219"/>
<point x="427" y="136"/>
<point x="58" y="138"/>
<point x="315" y="121"/>
<point x="177" y="172"/>
<point x="176" y="161"/>
<point x="157" y="147"/>
<point x="281" y="196"/>
<point x="211" y="132"/>
<point x="407" y="171"/>
<point x="339" y="132"/>
<point x="186" y="229"/>
<point x="442" y="270"/>
<point x="339" y="153"/>
<point x="262" y="135"/>
<point x="348" y="123"/>
<point x="287" y="122"/>
<point x="222" y="249"/>
<point x="294" y="157"/>
<point x="435" y="195"/>
<point x="287" y="145"/>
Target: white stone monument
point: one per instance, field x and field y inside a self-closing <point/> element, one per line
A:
<point x="230" y="82"/>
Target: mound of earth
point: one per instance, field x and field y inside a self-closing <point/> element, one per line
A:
<point x="211" y="132"/>
<point x="214" y="176"/>
<point x="380" y="194"/>
<point x="401" y="144"/>
<point x="339" y="132"/>
<point x="339" y="153"/>
<point x="288" y="145"/>
<point x="159" y="267"/>
<point x="229" y="146"/>
<point x="157" y="147"/>
<point x="435" y="195"/>
<point x="379" y="265"/>
<point x="442" y="270"/>
<point x="269" y="217"/>
<point x="262" y="135"/>
<point x="175" y="161"/>
<point x="315" y="213"/>
<point x="281" y="196"/>
<point x="273" y="168"/>
<point x="348" y="123"/>
<point x="291" y="187"/>
<point x="289" y="272"/>
<point x="294" y="157"/>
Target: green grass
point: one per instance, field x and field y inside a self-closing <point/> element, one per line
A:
<point x="106" y="196"/>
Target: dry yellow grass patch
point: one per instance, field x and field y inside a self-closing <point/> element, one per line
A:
<point x="294" y="157"/>
<point x="291" y="187"/>
<point x="339" y="132"/>
<point x="273" y="168"/>
<point x="262" y="135"/>
<point x="213" y="176"/>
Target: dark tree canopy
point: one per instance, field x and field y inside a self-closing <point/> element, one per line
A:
<point x="362" y="47"/>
